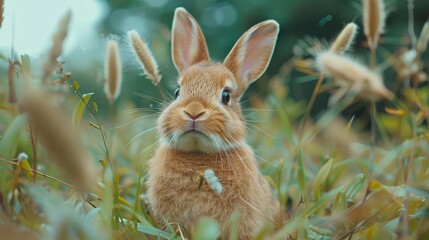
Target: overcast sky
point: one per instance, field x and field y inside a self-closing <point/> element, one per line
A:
<point x="33" y="22"/>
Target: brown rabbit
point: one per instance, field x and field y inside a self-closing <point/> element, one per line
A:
<point x="203" y="128"/>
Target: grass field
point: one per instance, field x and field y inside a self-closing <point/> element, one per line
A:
<point x="72" y="170"/>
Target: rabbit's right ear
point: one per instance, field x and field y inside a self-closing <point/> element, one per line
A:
<point x="188" y="42"/>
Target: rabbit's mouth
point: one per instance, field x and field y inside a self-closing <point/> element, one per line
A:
<point x="196" y="132"/>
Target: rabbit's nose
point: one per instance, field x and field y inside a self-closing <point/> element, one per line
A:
<point x="194" y="116"/>
<point x="194" y="110"/>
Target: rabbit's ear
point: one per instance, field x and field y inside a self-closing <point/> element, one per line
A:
<point x="188" y="42"/>
<point x="252" y="53"/>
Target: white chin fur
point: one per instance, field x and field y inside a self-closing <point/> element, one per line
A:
<point x="197" y="143"/>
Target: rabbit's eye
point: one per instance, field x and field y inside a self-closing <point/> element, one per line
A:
<point x="226" y="96"/>
<point x="176" y="93"/>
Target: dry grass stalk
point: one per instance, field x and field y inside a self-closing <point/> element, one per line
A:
<point x="373" y="21"/>
<point x="113" y="72"/>
<point x="422" y="43"/>
<point x="353" y="76"/>
<point x="1" y="12"/>
<point x="57" y="46"/>
<point x="145" y="57"/>
<point x="56" y="133"/>
<point x="11" y="76"/>
<point x="344" y="39"/>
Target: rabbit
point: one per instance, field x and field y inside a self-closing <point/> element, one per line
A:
<point x="203" y="128"/>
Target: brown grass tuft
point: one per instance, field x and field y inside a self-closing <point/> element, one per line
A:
<point x="57" y="134"/>
<point x="145" y="57"/>
<point x="344" y="39"/>
<point x="1" y="12"/>
<point x="422" y="43"/>
<point x="353" y="76"/>
<point x="373" y="21"/>
<point x="113" y="72"/>
<point x="57" y="46"/>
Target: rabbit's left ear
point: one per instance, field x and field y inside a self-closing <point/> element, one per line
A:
<point x="250" y="56"/>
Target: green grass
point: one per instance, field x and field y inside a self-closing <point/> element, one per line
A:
<point x="331" y="180"/>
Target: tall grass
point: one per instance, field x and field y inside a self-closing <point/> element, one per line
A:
<point x="333" y="177"/>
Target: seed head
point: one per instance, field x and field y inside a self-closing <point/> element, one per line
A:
<point x="22" y="156"/>
<point x="57" y="135"/>
<point x="374" y="16"/>
<point x="352" y="75"/>
<point x="145" y="57"/>
<point x="113" y="72"/>
<point x="344" y="39"/>
<point x="57" y="46"/>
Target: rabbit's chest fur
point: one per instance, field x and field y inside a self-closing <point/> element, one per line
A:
<point x="176" y="193"/>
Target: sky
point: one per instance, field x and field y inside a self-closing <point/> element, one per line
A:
<point x="30" y="24"/>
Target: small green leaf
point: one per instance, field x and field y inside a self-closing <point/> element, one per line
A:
<point x="9" y="141"/>
<point x="355" y="186"/>
<point x="153" y="231"/>
<point x="323" y="201"/>
<point x="321" y="177"/>
<point x="79" y="109"/>
<point x="340" y="203"/>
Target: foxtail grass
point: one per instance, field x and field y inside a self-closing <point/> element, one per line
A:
<point x="57" y="46"/>
<point x="347" y="72"/>
<point x="56" y="133"/>
<point x="345" y="39"/>
<point x="145" y="58"/>
<point x="113" y="72"/>
<point x="374" y="15"/>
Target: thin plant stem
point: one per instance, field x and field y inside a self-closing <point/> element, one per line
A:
<point x="373" y="126"/>
<point x="311" y="103"/>
<point x="408" y="174"/>
<point x="33" y="140"/>
<point x="96" y="117"/>
<point x="411" y="32"/>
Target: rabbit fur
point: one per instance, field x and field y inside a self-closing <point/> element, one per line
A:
<point x="201" y="130"/>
